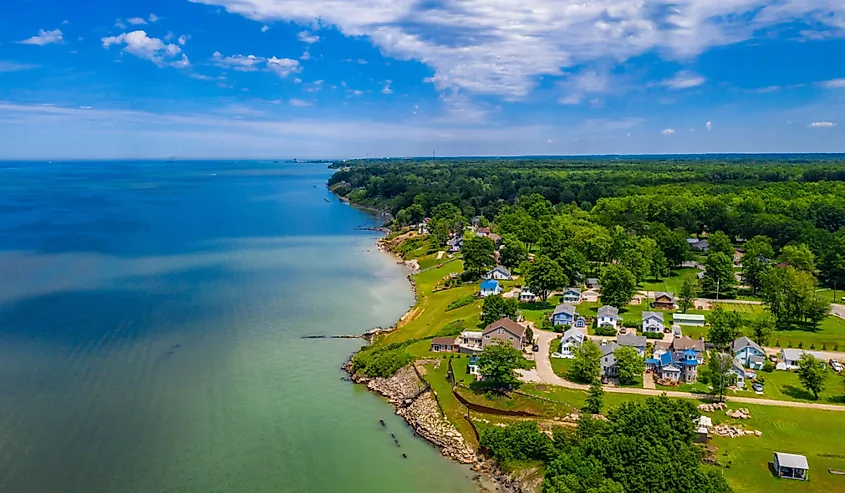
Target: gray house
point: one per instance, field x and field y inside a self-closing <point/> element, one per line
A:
<point x="608" y="359"/>
<point x="636" y="342"/>
<point x="608" y="316"/>
<point x="564" y="314"/>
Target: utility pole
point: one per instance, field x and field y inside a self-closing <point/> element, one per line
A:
<point x="717" y="288"/>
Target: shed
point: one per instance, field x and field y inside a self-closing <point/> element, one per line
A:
<point x="791" y="466"/>
<point x="688" y="319"/>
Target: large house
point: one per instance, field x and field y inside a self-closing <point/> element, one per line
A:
<point x="571" y="295"/>
<point x="528" y="296"/>
<point x="500" y="273"/>
<point x="653" y="322"/>
<point x="570" y="340"/>
<point x="636" y="342"/>
<point x="609" y="367"/>
<point x="608" y="316"/>
<point x="504" y="330"/>
<point x="455" y="244"/>
<point x="470" y="342"/>
<point x="677" y="360"/>
<point x="444" y="344"/>
<point x="564" y="314"/>
<point x="664" y="301"/>
<point x="748" y="353"/>
<point x="490" y="288"/>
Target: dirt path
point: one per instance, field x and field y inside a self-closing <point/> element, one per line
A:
<point x="545" y="374"/>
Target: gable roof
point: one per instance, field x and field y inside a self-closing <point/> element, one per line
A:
<point x="792" y="354"/>
<point x="455" y="241"/>
<point x="661" y="294"/>
<point x="744" y="342"/>
<point x="565" y="308"/>
<point x="609" y="348"/>
<point x="444" y="341"/>
<point x="657" y="315"/>
<point x="490" y="284"/>
<point x="592" y="280"/>
<point x="501" y="268"/>
<point x="684" y="343"/>
<point x="666" y="359"/>
<point x="573" y="332"/>
<point x="631" y="340"/>
<point x="608" y="311"/>
<point x="507" y="324"/>
<point x="572" y="290"/>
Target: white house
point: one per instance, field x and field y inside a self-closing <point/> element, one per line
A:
<point x="608" y="316"/>
<point x="470" y="342"/>
<point x="570" y="340"/>
<point x="653" y="322"/>
<point x="790" y="357"/>
<point x="571" y="295"/>
<point x="490" y="288"/>
<point x="527" y="296"/>
<point x="608" y="359"/>
<point x="500" y="273"/>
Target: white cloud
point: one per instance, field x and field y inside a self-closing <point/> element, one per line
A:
<point x="153" y="18"/>
<point x="265" y="28"/>
<point x="15" y="67"/>
<point x="668" y="131"/>
<point x="823" y="124"/>
<point x="119" y="24"/>
<point x="153" y="49"/>
<point x="305" y="56"/>
<point x="387" y="89"/>
<point x="684" y="80"/>
<point x="283" y="66"/>
<point x="709" y="126"/>
<point x="576" y="87"/>
<point x="300" y="102"/>
<point x="241" y="63"/>
<point x="44" y="38"/>
<point x="136" y="21"/>
<point x="182" y="40"/>
<point x="307" y="37"/>
<point x="834" y="84"/>
<point x="501" y="46"/>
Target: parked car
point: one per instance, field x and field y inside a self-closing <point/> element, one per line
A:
<point x="773" y="358"/>
<point x="837" y="366"/>
<point x="604" y="379"/>
<point x="536" y="348"/>
<point x="757" y="386"/>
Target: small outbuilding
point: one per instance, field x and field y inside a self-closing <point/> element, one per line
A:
<point x="688" y="319"/>
<point x="791" y="466"/>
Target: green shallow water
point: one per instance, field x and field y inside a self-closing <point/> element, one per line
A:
<point x="150" y="336"/>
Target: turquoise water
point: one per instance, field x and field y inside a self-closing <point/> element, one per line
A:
<point x="151" y="317"/>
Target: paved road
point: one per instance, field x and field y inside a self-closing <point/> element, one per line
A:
<point x="838" y="310"/>
<point x="546" y="375"/>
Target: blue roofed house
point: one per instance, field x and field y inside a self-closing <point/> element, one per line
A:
<point x="564" y="314"/>
<point x="748" y="353"/>
<point x="677" y="360"/>
<point x="490" y="288"/>
<point x="571" y="295"/>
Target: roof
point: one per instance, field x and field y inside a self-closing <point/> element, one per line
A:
<point x="455" y="241"/>
<point x="609" y="348"/>
<point x="632" y="340"/>
<point x="658" y="315"/>
<point x="608" y="311"/>
<point x="507" y="324"/>
<point x="592" y="280"/>
<point x="794" y="461"/>
<point x="443" y="341"/>
<point x="700" y="244"/>
<point x="484" y="230"/>
<point x="527" y="291"/>
<point x="572" y="290"/>
<point x="470" y="334"/>
<point x="792" y="354"/>
<point x="684" y="343"/>
<point x="666" y="359"/>
<point x="661" y="294"/>
<point x="565" y="308"/>
<point x="490" y="284"/>
<point x="494" y="237"/>
<point x="690" y="352"/>
<point x="501" y="268"/>
<point x="687" y="317"/>
<point x="651" y="361"/>
<point x="573" y="332"/>
<point x="744" y="342"/>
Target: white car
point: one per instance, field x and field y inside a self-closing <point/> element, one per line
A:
<point x="837" y="366"/>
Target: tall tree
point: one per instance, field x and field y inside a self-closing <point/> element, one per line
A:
<point x="790" y="295"/>
<point x="478" y="256"/>
<point x="586" y="367"/>
<point x="498" y="364"/>
<point x="719" y="242"/>
<point x="439" y="231"/>
<point x="595" y="398"/>
<point x="832" y="265"/>
<point x="513" y="252"/>
<point x="544" y="275"/>
<point x="631" y="365"/>
<point x="618" y="285"/>
<point x="762" y="328"/>
<point x="724" y="327"/>
<point x="719" y="276"/>
<point x="689" y="292"/>
<point x="812" y="373"/>
<point x="495" y="308"/>
<point x="757" y="259"/>
<point x="799" y="256"/>
<point x="719" y="372"/>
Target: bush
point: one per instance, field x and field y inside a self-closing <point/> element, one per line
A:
<point x="653" y="335"/>
<point x="520" y="442"/>
<point x="460" y="302"/>
<point x="382" y="361"/>
<point x="452" y="329"/>
<point x="605" y="331"/>
<point x="768" y="366"/>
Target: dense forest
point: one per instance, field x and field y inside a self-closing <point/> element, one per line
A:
<point x="589" y="213"/>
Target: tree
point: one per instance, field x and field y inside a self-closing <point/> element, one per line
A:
<point x="495" y="308"/>
<point x="799" y="256"/>
<point x="631" y="365"/>
<point x="719" y="276"/>
<point x="478" y="256"/>
<point x="719" y="372"/>
<point x="719" y="242"/>
<point x="724" y="327"/>
<point x="790" y="295"/>
<point x="618" y="285"/>
<point x="673" y="243"/>
<point x="689" y="292"/>
<point x="757" y="259"/>
<point x="513" y="252"/>
<point x="832" y="265"/>
<point x="439" y="231"/>
<point x="529" y="335"/>
<point x="762" y="328"/>
<point x="595" y="398"/>
<point x="812" y="373"/>
<point x="544" y="275"/>
<point x="586" y="367"/>
<point x="498" y="364"/>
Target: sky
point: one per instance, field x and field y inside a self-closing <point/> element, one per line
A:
<point x="96" y="79"/>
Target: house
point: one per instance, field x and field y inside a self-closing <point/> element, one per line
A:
<point x="634" y="341"/>
<point x="482" y="232"/>
<point x="688" y="319"/>
<point x="564" y="314"/>
<point x="490" y="287"/>
<point x="527" y="296"/>
<point x="500" y="272"/>
<point x="444" y="345"/>
<point x="581" y="323"/>
<point x="608" y="316"/>
<point x="570" y="340"/>
<point x="741" y="375"/>
<point x="455" y="244"/>
<point x="653" y="322"/>
<point x="571" y="295"/>
<point x="469" y="342"/>
<point x="593" y="283"/>
<point x="790" y="358"/>
<point x="496" y="239"/>
<point x="504" y="330"/>
<point x="609" y="367"/>
<point x="677" y="360"/>
<point x="664" y="301"/>
<point x="748" y="353"/>
<point x="472" y="367"/>
<point x="791" y="466"/>
<point x="682" y="344"/>
<point x="698" y="245"/>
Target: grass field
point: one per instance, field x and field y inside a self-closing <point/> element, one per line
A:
<point x="673" y="283"/>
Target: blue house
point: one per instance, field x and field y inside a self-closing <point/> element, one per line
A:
<point x="748" y="353"/>
<point x="490" y="287"/>
<point x="679" y="369"/>
<point x="564" y="314"/>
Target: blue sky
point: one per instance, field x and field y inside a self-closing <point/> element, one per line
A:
<point x="349" y="78"/>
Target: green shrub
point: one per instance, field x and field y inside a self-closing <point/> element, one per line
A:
<point x="460" y="302"/>
<point x="653" y="335"/>
<point x="517" y="442"/>
<point x="768" y="366"/>
<point x="605" y="331"/>
<point x="382" y="361"/>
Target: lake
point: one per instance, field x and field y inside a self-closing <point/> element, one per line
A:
<point x="151" y="323"/>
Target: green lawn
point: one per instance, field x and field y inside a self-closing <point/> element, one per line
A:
<point x="785" y="386"/>
<point x="453" y="409"/>
<point x="828" y="294"/>
<point x="673" y="283"/>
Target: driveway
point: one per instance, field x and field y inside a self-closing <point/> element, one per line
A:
<point x="838" y="310"/>
<point x="546" y="375"/>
